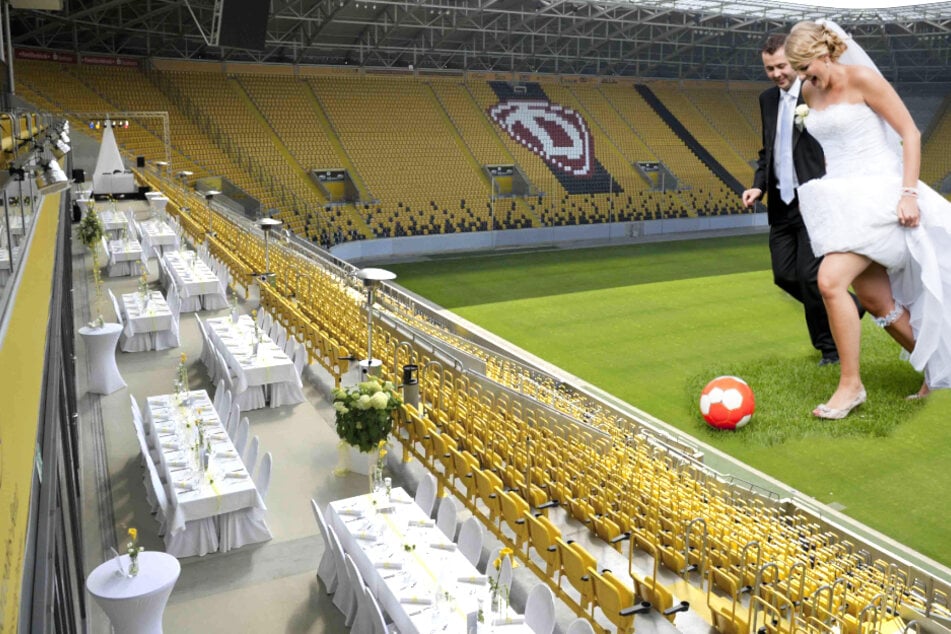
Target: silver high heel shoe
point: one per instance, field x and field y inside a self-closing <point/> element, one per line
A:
<point x="830" y="413"/>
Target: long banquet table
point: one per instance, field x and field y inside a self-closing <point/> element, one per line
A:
<point x="407" y="562"/>
<point x="225" y="487"/>
<point x="114" y="220"/>
<point x="144" y="320"/>
<point x="197" y="284"/>
<point x="270" y="367"/>
<point x="157" y="237"/>
<point x="121" y="255"/>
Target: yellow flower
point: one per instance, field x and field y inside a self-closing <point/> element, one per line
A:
<point x="382" y="444"/>
<point x="182" y="358"/>
<point x="382" y="453"/>
<point x="254" y="313"/>
<point x="133" y="534"/>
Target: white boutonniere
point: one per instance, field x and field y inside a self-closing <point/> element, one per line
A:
<point x="800" y="114"/>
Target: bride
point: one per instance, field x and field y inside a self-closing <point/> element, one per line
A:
<point x="881" y="230"/>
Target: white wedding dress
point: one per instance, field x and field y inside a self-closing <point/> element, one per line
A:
<point x="853" y="209"/>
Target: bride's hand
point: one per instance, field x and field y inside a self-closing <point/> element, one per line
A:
<point x="908" y="215"/>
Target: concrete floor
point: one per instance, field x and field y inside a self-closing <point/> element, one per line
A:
<point x="270" y="587"/>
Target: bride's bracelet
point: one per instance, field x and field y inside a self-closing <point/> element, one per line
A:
<point x="909" y="191"/>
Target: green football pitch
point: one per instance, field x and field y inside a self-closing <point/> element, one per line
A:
<point x="652" y="323"/>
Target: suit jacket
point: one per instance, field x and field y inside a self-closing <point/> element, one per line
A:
<point x="808" y="160"/>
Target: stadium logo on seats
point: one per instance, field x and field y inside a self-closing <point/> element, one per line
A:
<point x="557" y="134"/>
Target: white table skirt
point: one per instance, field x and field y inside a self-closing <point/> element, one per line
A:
<point x="135" y="605"/>
<point x="113" y="220"/>
<point x="104" y="377"/>
<point x="122" y="253"/>
<point x="197" y="284"/>
<point x="157" y="237"/>
<point x="142" y="323"/>
<point x="235" y="342"/>
<point x="376" y="538"/>
<point x="226" y="487"/>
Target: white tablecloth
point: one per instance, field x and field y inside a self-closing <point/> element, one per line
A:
<point x="193" y="278"/>
<point x="225" y="487"/>
<point x="142" y="320"/>
<point x="135" y="605"/>
<point x="418" y="570"/>
<point x="113" y="220"/>
<point x="104" y="377"/>
<point x="156" y="236"/>
<point x="157" y="201"/>
<point x="121" y="255"/>
<point x="236" y="343"/>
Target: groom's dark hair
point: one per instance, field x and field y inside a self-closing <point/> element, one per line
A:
<point x="774" y="42"/>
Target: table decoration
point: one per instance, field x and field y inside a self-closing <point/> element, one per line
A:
<point x="90" y="232"/>
<point x="181" y="379"/>
<point x="499" y="593"/>
<point x="133" y="549"/>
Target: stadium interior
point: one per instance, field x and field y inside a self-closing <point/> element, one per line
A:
<point x="397" y="127"/>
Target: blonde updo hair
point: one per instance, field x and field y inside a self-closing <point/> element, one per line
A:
<point x="809" y="40"/>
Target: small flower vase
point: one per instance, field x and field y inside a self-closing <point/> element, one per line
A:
<point x="234" y="314"/>
<point x="133" y="565"/>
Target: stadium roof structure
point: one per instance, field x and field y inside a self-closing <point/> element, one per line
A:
<point x="686" y="39"/>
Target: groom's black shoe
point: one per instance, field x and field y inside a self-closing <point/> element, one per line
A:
<point x="828" y="359"/>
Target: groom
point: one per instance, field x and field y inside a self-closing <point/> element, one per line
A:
<point x="789" y="157"/>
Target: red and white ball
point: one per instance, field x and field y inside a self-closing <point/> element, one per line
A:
<point x="727" y="402"/>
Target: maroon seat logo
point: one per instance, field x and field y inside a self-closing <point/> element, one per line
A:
<point x="557" y="134"/>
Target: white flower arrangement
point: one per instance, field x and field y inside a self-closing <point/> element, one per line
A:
<point x="365" y="413"/>
<point x="800" y="114"/>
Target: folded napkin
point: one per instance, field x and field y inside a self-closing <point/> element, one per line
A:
<point x="176" y="464"/>
<point x="388" y="565"/>
<point x="237" y="474"/>
<point x="478" y="580"/>
<point x="443" y="545"/>
<point x="184" y="486"/>
<point x="365" y="536"/>
<point x="168" y="444"/>
<point x="400" y="499"/>
<point x="422" y="523"/>
<point x="415" y="600"/>
<point x="228" y="453"/>
<point x="509" y="620"/>
<point x="350" y="512"/>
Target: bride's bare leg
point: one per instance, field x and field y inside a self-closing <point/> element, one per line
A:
<point x="836" y="274"/>
<point x="874" y="290"/>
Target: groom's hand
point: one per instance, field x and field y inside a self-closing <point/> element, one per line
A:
<point x="750" y="196"/>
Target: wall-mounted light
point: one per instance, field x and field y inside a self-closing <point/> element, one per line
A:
<point x="50" y="178"/>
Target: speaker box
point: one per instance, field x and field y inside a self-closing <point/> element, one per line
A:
<point x="140" y="161"/>
<point x="244" y="24"/>
<point x="79" y="176"/>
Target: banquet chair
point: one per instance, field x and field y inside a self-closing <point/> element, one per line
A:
<point x="166" y="339"/>
<point x="219" y="397"/>
<point x="326" y="569"/>
<point x="446" y="517"/>
<point x="146" y="479"/>
<point x="247" y="526"/>
<point x="471" y="535"/>
<point x="207" y="353"/>
<point x="425" y="496"/>
<point x="240" y="437"/>
<point x="300" y="358"/>
<point x="231" y="419"/>
<point x="540" y="609"/>
<point x="378" y="622"/>
<point x="287" y="392"/>
<point x="250" y="455"/>
<point x="580" y="625"/>
<point x="165" y="278"/>
<point x="362" y="617"/>
<point x="198" y="537"/>
<point x="343" y="596"/>
<point x="137" y="416"/>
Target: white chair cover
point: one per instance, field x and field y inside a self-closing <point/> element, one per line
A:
<point x="580" y="626"/>
<point x="343" y="596"/>
<point x="147" y="481"/>
<point x="446" y="517"/>
<point x="219" y="395"/>
<point x="240" y="437"/>
<point x="361" y="619"/>
<point x="326" y="570"/>
<point x="250" y="455"/>
<point x="286" y="393"/>
<point x="300" y="358"/>
<point x="232" y="419"/>
<point x="471" y="536"/>
<point x="165" y="339"/>
<point x="540" y="609"/>
<point x="376" y="615"/>
<point x="165" y="278"/>
<point x="426" y="493"/>
<point x="247" y="526"/>
<point x="207" y="352"/>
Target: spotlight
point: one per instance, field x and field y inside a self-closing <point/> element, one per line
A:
<point x="51" y="178"/>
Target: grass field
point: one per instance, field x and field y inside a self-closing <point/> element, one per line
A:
<point x="652" y="323"/>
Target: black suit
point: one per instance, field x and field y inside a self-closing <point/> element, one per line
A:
<point x="795" y="267"/>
